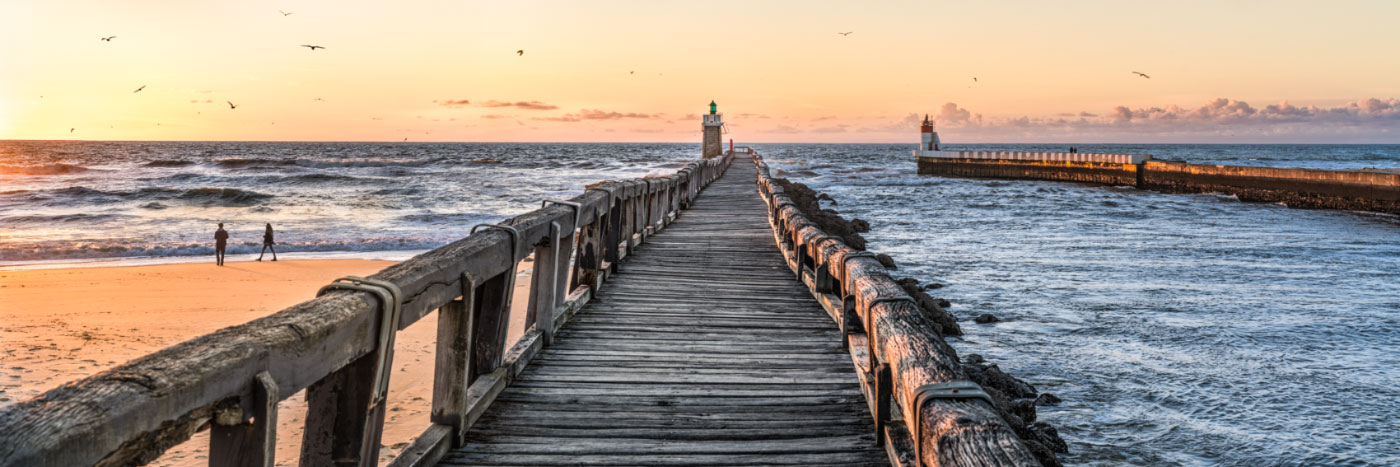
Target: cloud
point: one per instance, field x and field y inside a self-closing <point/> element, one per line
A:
<point x="785" y="129"/>
<point x="454" y="103"/>
<point x="909" y="123"/>
<point x="562" y="118"/>
<point x="594" y="114"/>
<point x="831" y="129"/>
<point x="494" y="116"/>
<point x="951" y="114"/>
<point x="1215" y="118"/>
<point x="749" y="115"/>
<point x="587" y="114"/>
<point x="530" y="105"/>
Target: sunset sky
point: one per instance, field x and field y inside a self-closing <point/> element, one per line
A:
<point x="1239" y="71"/>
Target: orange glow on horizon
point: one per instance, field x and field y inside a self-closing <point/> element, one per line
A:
<point x="643" y="71"/>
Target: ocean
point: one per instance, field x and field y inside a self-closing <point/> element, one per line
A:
<point x="151" y="202"/>
<point x="1178" y="329"/>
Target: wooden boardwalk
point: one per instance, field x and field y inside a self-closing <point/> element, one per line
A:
<point x="702" y="350"/>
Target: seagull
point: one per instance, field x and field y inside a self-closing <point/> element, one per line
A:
<point x="313" y="47"/>
<point x="1144" y="75"/>
<point x="108" y="38"/>
<point x="318" y="99"/>
<point x="632" y="72"/>
<point x="139" y="89"/>
<point x="520" y="52"/>
<point x="974" y="79"/>
<point x="70" y="130"/>
<point x="230" y="105"/>
<point x="845" y="33"/>
<point x="284" y="13"/>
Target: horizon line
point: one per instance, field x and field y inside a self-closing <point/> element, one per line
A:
<point x="736" y="143"/>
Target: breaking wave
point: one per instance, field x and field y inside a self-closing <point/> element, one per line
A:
<point x="44" y="169"/>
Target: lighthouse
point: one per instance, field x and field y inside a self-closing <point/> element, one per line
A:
<point x="713" y="126"/>
<point x="928" y="138"/>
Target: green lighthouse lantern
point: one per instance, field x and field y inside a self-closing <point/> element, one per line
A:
<point x="712" y="107"/>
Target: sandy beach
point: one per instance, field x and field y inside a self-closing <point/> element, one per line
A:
<point x="60" y="325"/>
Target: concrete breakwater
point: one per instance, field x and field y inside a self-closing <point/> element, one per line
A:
<point x="1299" y="188"/>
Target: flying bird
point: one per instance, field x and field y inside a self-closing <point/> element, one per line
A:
<point x="284" y="13"/>
<point x="139" y="89"/>
<point x="1144" y="75"/>
<point x="70" y="130"/>
<point x="520" y="52"/>
<point x="230" y="105"/>
<point x="108" y="38"/>
<point x="313" y="47"/>
<point x="318" y="99"/>
<point x="974" y="79"/>
<point x="845" y="33"/>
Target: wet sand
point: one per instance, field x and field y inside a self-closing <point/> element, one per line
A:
<point x="60" y="325"/>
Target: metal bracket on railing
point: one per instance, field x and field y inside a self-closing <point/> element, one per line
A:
<point x="577" y="207"/>
<point x="514" y="251"/>
<point x="391" y="306"/>
<point x="870" y="321"/>
<point x="954" y="390"/>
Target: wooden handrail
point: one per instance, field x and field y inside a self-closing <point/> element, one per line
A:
<point x="898" y="347"/>
<point x="132" y="413"/>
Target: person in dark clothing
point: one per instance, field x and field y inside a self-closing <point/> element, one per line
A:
<point x="267" y="244"/>
<point x="220" y="242"/>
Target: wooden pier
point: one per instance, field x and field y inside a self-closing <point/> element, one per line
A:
<point x="689" y="357"/>
<point x="665" y="327"/>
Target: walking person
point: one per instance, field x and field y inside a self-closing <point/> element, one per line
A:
<point x="220" y="242"/>
<point x="267" y="244"/>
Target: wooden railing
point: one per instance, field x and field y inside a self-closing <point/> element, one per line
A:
<point x="339" y="346"/>
<point x="941" y="419"/>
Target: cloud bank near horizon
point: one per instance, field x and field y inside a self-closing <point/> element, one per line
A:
<point x="1368" y="119"/>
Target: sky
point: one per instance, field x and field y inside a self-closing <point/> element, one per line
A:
<point x="1218" y="72"/>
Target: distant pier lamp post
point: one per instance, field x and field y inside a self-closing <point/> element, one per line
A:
<point x="713" y="125"/>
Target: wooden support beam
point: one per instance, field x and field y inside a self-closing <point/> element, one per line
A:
<point x="544" y="283"/>
<point x="452" y="365"/>
<point x="252" y="442"/>
<point x="339" y="419"/>
<point x="490" y="317"/>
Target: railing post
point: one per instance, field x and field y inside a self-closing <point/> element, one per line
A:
<point x="345" y="410"/>
<point x="612" y="233"/>
<point x="453" y="361"/>
<point x="544" y="283"/>
<point x="250" y="443"/>
<point x="337" y="408"/>
<point x="490" y="317"/>
<point x="561" y="267"/>
<point x="884" y="388"/>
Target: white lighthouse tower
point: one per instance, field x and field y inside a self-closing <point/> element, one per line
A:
<point x="928" y="143"/>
